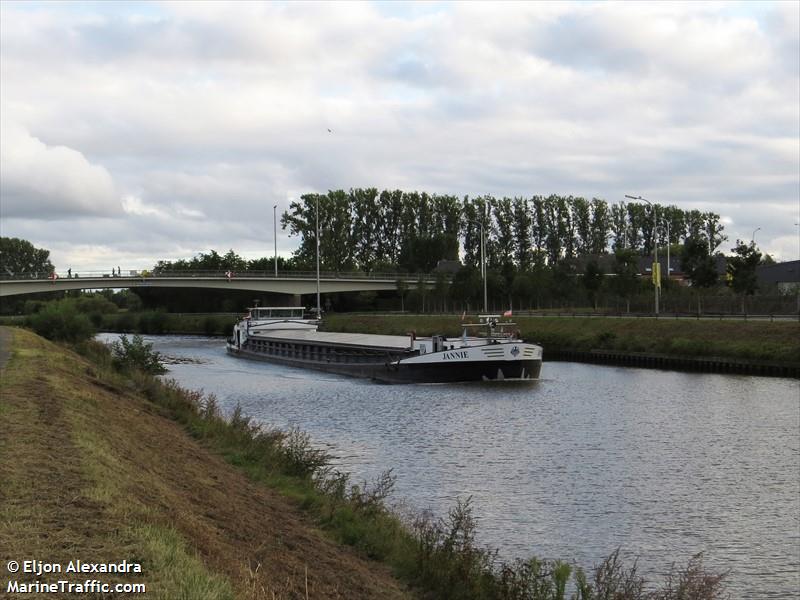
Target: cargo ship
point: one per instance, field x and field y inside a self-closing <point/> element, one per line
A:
<point x="489" y="350"/>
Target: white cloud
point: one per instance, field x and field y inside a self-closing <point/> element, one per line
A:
<point x="209" y="113"/>
<point x="44" y="182"/>
<point x="133" y="205"/>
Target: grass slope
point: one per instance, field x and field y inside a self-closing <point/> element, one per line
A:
<point x="760" y="341"/>
<point x="90" y="470"/>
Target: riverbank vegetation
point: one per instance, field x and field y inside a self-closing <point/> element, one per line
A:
<point x="98" y="464"/>
<point x="79" y="317"/>
<point x="139" y="486"/>
<point x="75" y="319"/>
<point x="763" y="341"/>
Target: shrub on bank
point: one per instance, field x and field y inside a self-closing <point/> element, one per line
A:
<point x="123" y="322"/>
<point x="217" y="325"/>
<point x="61" y="321"/>
<point x="156" y="322"/>
<point x="161" y="322"/>
<point x="136" y="354"/>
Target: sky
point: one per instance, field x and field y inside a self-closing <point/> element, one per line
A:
<point x="134" y="132"/>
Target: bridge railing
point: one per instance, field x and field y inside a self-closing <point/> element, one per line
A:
<point x="145" y="274"/>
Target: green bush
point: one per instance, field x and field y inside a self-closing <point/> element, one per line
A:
<point x="135" y="354"/>
<point x="61" y="321"/>
<point x="123" y="322"/>
<point x="211" y="325"/>
<point x="95" y="304"/>
<point x="33" y="306"/>
<point x="154" y="322"/>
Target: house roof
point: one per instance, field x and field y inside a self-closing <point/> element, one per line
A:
<point x="783" y="272"/>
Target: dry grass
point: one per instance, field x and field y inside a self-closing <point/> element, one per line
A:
<point x="90" y="470"/>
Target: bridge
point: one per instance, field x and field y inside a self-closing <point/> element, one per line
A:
<point x="292" y="283"/>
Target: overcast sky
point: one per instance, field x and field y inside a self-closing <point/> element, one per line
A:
<point x="136" y="132"/>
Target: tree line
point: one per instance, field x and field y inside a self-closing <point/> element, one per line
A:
<point x="541" y="251"/>
<point x="411" y="231"/>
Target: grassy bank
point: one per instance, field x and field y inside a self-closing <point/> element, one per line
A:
<point x="104" y="463"/>
<point x="741" y="340"/>
<point x="778" y="341"/>
<point x="97" y="465"/>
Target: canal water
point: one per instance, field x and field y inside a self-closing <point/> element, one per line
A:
<point x="589" y="459"/>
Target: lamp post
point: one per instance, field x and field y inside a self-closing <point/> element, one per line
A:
<point x="753" y="237"/>
<point x="483" y="268"/>
<point x="669" y="243"/>
<point x="662" y="228"/>
<point x="798" y="248"/>
<point x="656" y="281"/>
<point x="275" y="234"/>
<point x="319" y="307"/>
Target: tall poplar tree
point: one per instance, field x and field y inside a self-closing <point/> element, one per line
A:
<point x="581" y="217"/>
<point x="367" y="214"/>
<point x="600" y="227"/>
<point x="523" y="251"/>
<point x="619" y="225"/>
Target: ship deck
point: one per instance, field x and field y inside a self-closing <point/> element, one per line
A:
<point x="329" y="338"/>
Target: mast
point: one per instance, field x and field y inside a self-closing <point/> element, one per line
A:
<point x="483" y="269"/>
<point x="275" y="234"/>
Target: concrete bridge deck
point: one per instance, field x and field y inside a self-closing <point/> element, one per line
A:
<point x="289" y="282"/>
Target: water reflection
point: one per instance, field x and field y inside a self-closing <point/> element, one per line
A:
<point x="591" y="458"/>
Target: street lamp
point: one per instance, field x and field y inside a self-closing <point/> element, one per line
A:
<point x="275" y="234"/>
<point x="668" y="244"/>
<point x="798" y="255"/>
<point x="319" y="307"/>
<point x="656" y="280"/>
<point x="483" y="268"/>
<point x="753" y="237"/>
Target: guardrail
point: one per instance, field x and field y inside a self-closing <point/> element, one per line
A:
<point x="661" y="316"/>
<point x="712" y="316"/>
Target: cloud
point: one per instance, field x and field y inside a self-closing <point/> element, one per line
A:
<point x="44" y="182"/>
<point x="133" y="205"/>
<point x="208" y="113"/>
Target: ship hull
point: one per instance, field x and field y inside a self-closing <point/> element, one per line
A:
<point x="409" y="371"/>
